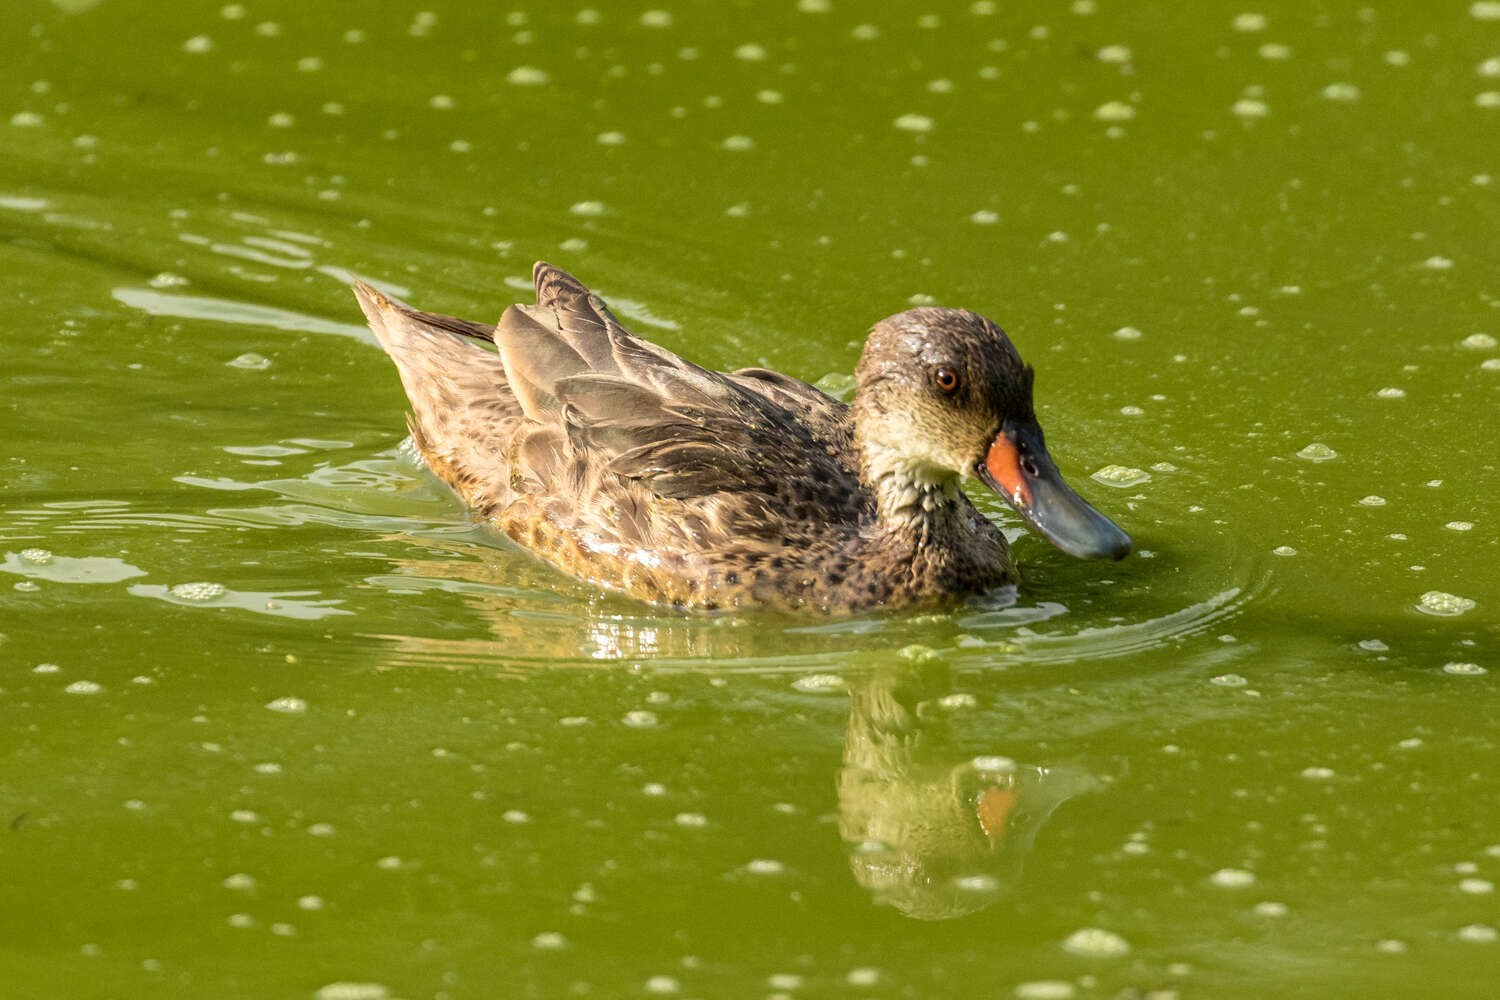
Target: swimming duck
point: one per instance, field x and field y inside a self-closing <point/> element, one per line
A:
<point x="627" y="466"/>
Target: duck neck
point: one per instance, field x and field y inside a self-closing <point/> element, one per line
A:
<point x="914" y="499"/>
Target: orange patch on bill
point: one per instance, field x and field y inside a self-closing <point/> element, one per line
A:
<point x="1004" y="463"/>
<point x="994" y="809"/>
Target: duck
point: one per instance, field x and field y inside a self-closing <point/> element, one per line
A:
<point x="637" y="471"/>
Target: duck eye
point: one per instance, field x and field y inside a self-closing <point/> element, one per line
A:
<point x="946" y="379"/>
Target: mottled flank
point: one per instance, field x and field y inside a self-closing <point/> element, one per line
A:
<point x="624" y="465"/>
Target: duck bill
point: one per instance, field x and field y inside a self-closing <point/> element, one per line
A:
<point x="1018" y="468"/>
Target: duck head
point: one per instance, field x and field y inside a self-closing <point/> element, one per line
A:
<point x="942" y="393"/>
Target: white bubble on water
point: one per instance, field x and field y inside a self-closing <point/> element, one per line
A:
<point x="241" y="920"/>
<point x="1114" y="54"/>
<point x="750" y="52"/>
<point x="1372" y="501"/>
<point x="353" y="991"/>
<point x="288" y="706"/>
<point x="1485" y="10"/>
<point x="1442" y="604"/>
<point x="610" y="138"/>
<point x="1284" y="550"/>
<point x="864" y="975"/>
<point x="1438" y="263"/>
<point x="738" y="143"/>
<point x="1249" y="107"/>
<point x="984" y="217"/>
<point x="764" y="866"/>
<point x="1249" y="22"/>
<point x="1318" y="773"/>
<point x="527" y="76"/>
<point x="913" y="123"/>
<point x="1275" y="51"/>
<point x="993" y="764"/>
<point x="819" y="683"/>
<point x="588" y="208"/>
<point x="815" y="6"/>
<point x="1127" y="333"/>
<point x="281" y="929"/>
<point x="1270" y="908"/>
<point x="37" y="557"/>
<point x="198" y="44"/>
<point x="244" y="816"/>
<point x="769" y="96"/>
<point x="1114" y="111"/>
<point x="240" y="882"/>
<point x="662" y="985"/>
<point x="1373" y="645"/>
<point x="1229" y="681"/>
<point x="26" y="119"/>
<point x="657" y="19"/>
<point x="1131" y="411"/>
<point x="1045" y="989"/>
<point x="84" y="687"/>
<point x="1391" y="393"/>
<point x="1476" y="886"/>
<point x="1478" y="934"/>
<point x="549" y="941"/>
<point x="250" y="361"/>
<point x="785" y="981"/>
<point x="1478" y="341"/>
<point x="442" y="102"/>
<point x="640" y="719"/>
<point x="321" y="830"/>
<point x="1318" y="452"/>
<point x="1397" y="57"/>
<point x="1490" y="67"/>
<point x="1095" y="942"/>
<point x="389" y="863"/>
<point x="1390" y="946"/>
<point x="1460" y="525"/>
<point x="1232" y="878"/>
<point x="690" y="819"/>
<point x="977" y="883"/>
<point x="1121" y="476"/>
<point x="1490" y="364"/>
<point x="310" y="902"/>
<point x="198" y="591"/>
<point x="1341" y="92"/>
<point x="1464" y="669"/>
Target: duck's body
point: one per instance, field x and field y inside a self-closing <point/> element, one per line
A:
<point x="626" y="466"/>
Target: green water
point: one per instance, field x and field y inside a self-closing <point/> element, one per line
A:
<point x="378" y="746"/>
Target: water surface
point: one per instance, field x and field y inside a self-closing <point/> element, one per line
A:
<point x="283" y="721"/>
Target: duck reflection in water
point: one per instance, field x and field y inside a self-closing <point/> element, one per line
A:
<point x="930" y="831"/>
<point x="930" y="827"/>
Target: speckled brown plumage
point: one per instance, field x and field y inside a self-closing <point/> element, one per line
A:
<point x="621" y="463"/>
